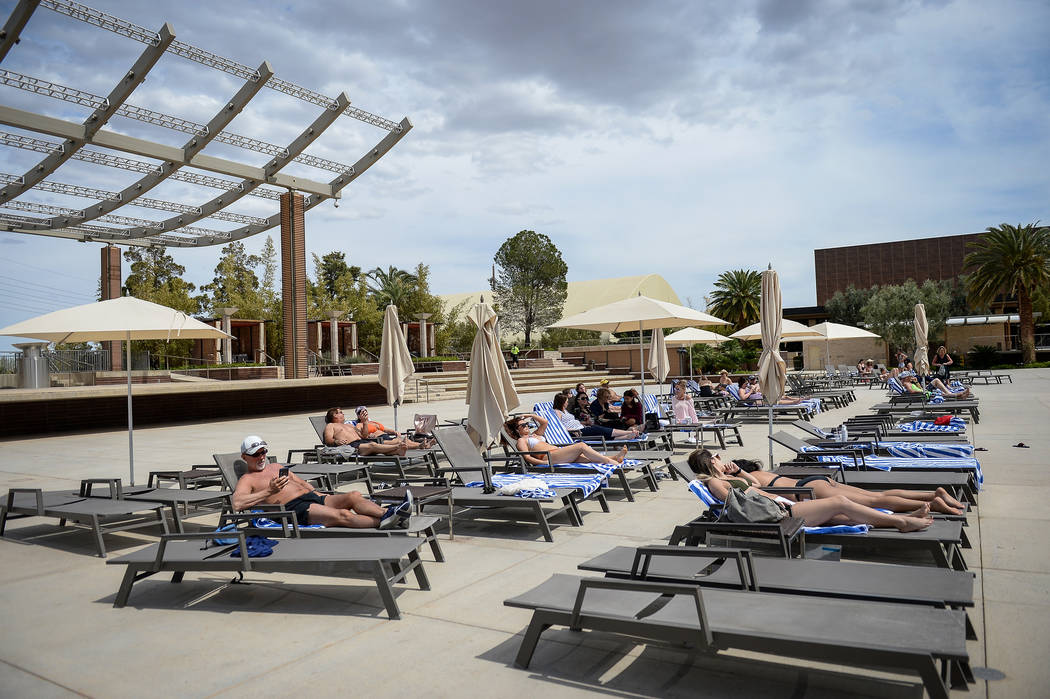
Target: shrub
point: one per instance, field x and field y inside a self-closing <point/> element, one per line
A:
<point x="982" y="356"/>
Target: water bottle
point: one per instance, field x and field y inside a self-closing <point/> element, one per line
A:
<point x="845" y="433"/>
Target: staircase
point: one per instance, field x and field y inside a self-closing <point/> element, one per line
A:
<point x="541" y="376"/>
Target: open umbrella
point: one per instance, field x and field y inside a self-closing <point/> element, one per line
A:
<point x="638" y="313"/>
<point x="837" y="331"/>
<point x="126" y="318"/>
<point x="772" y="372"/>
<point x="687" y="337"/>
<point x="922" y="329"/>
<point x="395" y="361"/>
<point x="490" y="389"/>
<point x="658" y="364"/>
<point x="789" y="329"/>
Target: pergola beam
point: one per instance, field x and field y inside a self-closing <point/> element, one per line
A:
<point x="39" y="123"/>
<point x="14" y="25"/>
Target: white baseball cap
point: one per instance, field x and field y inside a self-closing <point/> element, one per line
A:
<point x="251" y="444"/>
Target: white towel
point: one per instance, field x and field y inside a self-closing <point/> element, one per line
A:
<point x="523" y="484"/>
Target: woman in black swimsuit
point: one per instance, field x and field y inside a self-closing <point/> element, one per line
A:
<point x="905" y="501"/>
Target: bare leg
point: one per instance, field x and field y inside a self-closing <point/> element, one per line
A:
<point x="869" y="498"/>
<point x="578" y="453"/>
<point x="334" y="517"/>
<point x="355" y="501"/>
<point x="840" y="509"/>
<point x="372" y="449"/>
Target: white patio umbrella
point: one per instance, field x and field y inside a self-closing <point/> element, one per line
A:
<point x="490" y="389"/>
<point x="837" y="331"/>
<point x="772" y="372"/>
<point x="687" y="337"/>
<point x="638" y="313"/>
<point x="658" y="364"/>
<point x="922" y="329"/>
<point x="126" y="318"/>
<point x="789" y="329"/>
<point x="395" y="361"/>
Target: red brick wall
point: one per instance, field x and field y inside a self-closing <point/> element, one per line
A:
<point x="293" y="276"/>
<point x="110" y="290"/>
<point x="888" y="263"/>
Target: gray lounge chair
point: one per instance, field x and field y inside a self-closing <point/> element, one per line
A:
<point x="902" y="637"/>
<point x="423" y="526"/>
<point x="738" y="569"/>
<point x="464" y="458"/>
<point x="960" y="485"/>
<point x="173" y="498"/>
<point x="382" y="559"/>
<point x="931" y="410"/>
<point x="386" y="463"/>
<point x="100" y="515"/>
<point x="875" y="433"/>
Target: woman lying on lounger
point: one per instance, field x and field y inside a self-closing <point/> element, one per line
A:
<point x="751" y="393"/>
<point x="835" y="509"/>
<point x="906" y="501"/>
<point x="911" y="385"/>
<point x="527" y="440"/>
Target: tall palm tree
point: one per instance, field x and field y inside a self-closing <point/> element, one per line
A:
<point x="737" y="296"/>
<point x="1013" y="260"/>
<point x="391" y="286"/>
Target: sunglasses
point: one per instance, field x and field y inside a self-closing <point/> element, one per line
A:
<point x="261" y="452"/>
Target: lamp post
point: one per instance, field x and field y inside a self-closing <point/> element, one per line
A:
<point x="424" y="349"/>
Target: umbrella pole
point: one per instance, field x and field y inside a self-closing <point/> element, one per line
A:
<point x="395" y="416"/>
<point x="690" y="362"/>
<point x="641" y="354"/>
<point x="770" y="436"/>
<point x="131" y="426"/>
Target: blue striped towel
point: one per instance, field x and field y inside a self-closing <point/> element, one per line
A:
<point x="925" y="450"/>
<point x="896" y="386"/>
<point x="888" y="463"/>
<point x="957" y="424"/>
<point x="585" y="483"/>
<point x="700" y="490"/>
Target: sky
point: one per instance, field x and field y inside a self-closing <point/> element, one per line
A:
<point x="677" y="138"/>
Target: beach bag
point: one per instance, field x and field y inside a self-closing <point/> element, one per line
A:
<point x="424" y="424"/>
<point x="942" y="371"/>
<point x="751" y="508"/>
<point x="652" y="422"/>
<point x="943" y="420"/>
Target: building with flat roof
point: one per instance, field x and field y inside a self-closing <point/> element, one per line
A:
<point x="888" y="263"/>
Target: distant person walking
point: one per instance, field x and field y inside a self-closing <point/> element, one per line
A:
<point x="514" y="355"/>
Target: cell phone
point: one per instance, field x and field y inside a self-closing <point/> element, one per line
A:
<point x="282" y="472"/>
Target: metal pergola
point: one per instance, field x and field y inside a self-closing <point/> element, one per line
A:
<point x="61" y="140"/>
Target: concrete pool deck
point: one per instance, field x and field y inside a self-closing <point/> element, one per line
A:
<point x="62" y="637"/>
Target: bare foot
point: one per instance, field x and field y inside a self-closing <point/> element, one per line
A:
<point x="402" y="449"/>
<point x="620" y="455"/>
<point x="922" y="511"/>
<point x="947" y="497"/>
<point x="938" y="505"/>
<point x="914" y="524"/>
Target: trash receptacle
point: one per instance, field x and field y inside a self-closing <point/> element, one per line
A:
<point x="33" y="371"/>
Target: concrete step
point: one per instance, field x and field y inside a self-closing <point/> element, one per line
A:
<point x="453" y="385"/>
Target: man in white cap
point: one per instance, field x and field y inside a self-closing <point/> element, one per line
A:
<point x="262" y="483"/>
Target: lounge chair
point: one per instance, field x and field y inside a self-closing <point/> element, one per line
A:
<point x="382" y="559"/>
<point x="871" y="444"/>
<point x="464" y="457"/>
<point x="715" y="426"/>
<point x="876" y="433"/>
<point x="378" y="463"/>
<point x="173" y="498"/>
<point x="738" y="569"/>
<point x="931" y="411"/>
<point x="748" y="411"/>
<point x="903" y="638"/>
<point x="284" y="521"/>
<point x="856" y="458"/>
<point x="100" y="515"/>
<point x="942" y="540"/>
<point x="557" y="434"/>
<point x="961" y="485"/>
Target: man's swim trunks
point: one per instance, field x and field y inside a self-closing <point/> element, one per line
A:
<point x="301" y="506"/>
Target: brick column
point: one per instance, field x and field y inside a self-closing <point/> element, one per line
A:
<point x="111" y="290"/>
<point x="293" y="273"/>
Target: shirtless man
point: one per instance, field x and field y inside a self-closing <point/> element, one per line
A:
<point x="347" y="440"/>
<point x="262" y="483"/>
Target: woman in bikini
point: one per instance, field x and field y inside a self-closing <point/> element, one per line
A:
<point x="905" y="501"/>
<point x="830" y="510"/>
<point x="527" y="441"/>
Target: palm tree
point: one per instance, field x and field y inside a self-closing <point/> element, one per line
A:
<point x="391" y="286"/>
<point x="737" y="296"/>
<point x="1014" y="260"/>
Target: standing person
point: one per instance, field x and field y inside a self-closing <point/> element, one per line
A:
<point x="941" y="361"/>
<point x="514" y="355"/>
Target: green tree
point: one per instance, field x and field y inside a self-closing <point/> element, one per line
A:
<point x="1013" y="260"/>
<point x="331" y="268"/>
<point x="156" y="277"/>
<point x="737" y="297"/>
<point x="391" y="286"/>
<point x="529" y="284"/>
<point x="456" y="334"/>
<point x="273" y="308"/>
<point x="845" y="306"/>
<point x="890" y="312"/>
<point x="553" y="338"/>
<point x="235" y="283"/>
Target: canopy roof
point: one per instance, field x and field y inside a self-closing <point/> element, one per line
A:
<point x="637" y="313"/>
<point x="789" y="330"/>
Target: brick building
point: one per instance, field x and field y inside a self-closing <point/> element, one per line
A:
<point x="888" y="263"/>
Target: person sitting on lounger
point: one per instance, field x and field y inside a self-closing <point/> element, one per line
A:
<point x="683" y="407"/>
<point x="837" y="509"/>
<point x="343" y="439"/>
<point x="379" y="431"/>
<point x="528" y="440"/>
<point x="751" y="394"/>
<point x="262" y="483"/>
<point x="911" y="385"/>
<point x="707" y="389"/>
<point x="631" y="411"/>
<point x="613" y="395"/>
<point x="905" y="501"/>
<point x="575" y="426"/>
<point x="602" y="412"/>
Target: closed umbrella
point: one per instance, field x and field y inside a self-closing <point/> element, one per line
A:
<point x="772" y="372"/>
<point x="922" y="329"/>
<point x="638" y="313"/>
<point x="395" y="361"/>
<point x="126" y="318"/>
<point x="658" y="364"/>
<point x="490" y="389"/>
